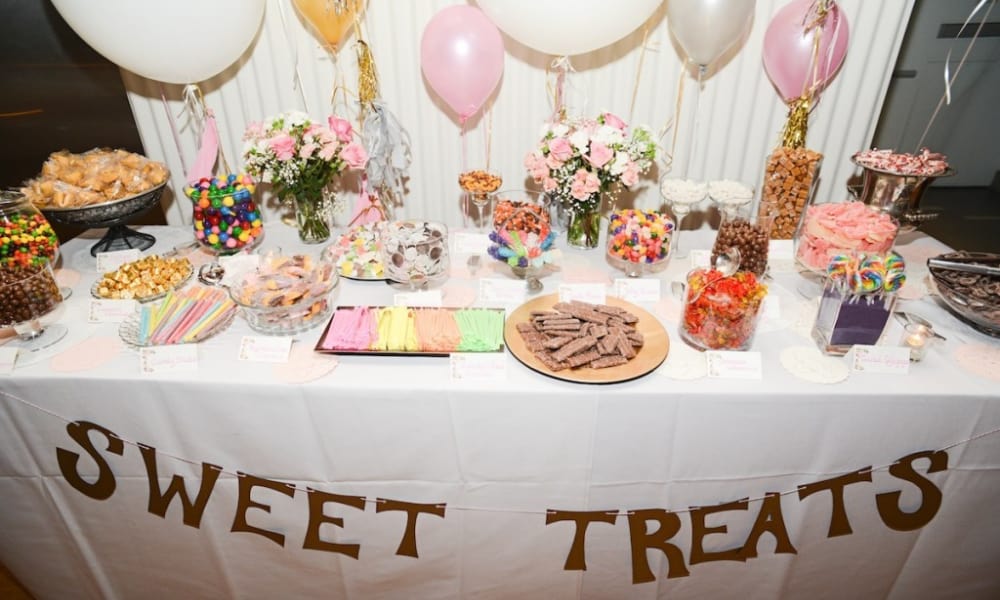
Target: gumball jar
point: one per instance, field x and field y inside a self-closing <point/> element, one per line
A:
<point x="226" y="219"/>
<point x="26" y="238"/>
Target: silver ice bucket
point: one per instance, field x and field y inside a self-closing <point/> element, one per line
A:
<point x="898" y="195"/>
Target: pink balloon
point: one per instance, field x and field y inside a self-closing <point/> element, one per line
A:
<point x="788" y="48"/>
<point x="461" y="55"/>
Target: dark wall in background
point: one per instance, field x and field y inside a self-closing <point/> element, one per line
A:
<point x="57" y="94"/>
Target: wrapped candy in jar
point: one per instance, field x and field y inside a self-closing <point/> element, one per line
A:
<point x="639" y="241"/>
<point x="858" y="297"/>
<point x="720" y="312"/>
<point x="26" y="238"/>
<point x="226" y="219"/>
<point x="415" y="252"/>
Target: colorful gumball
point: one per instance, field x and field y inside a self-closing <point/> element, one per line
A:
<point x="225" y="217"/>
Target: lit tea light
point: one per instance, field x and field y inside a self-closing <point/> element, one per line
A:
<point x="918" y="339"/>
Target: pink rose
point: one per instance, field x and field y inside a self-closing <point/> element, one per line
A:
<point x="584" y="185"/>
<point x="630" y="176"/>
<point x="354" y="155"/>
<point x="553" y="162"/>
<point x="307" y="150"/>
<point x="591" y="183"/>
<point x="532" y="160"/>
<point x="612" y="120"/>
<point x="561" y="149"/>
<point x="549" y="185"/>
<point x="283" y="146"/>
<point x="540" y="172"/>
<point x="342" y="128"/>
<point x="599" y="155"/>
<point x="328" y="151"/>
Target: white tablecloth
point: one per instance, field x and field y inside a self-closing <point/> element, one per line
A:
<point x="498" y="455"/>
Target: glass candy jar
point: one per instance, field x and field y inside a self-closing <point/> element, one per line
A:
<point x="790" y="179"/>
<point x="831" y="229"/>
<point x="524" y="241"/>
<point x="226" y="220"/>
<point x="28" y="292"/>
<point x="415" y="252"/>
<point x="639" y="241"/>
<point x="26" y="238"/>
<point x="859" y="295"/>
<point x="748" y="233"/>
<point x="721" y="311"/>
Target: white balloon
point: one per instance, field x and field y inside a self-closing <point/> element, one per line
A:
<point x="175" y="41"/>
<point x="705" y="29"/>
<point x="567" y="27"/>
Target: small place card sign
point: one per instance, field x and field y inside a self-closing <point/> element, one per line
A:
<point x="471" y="243"/>
<point x="638" y="290"/>
<point x="110" y="311"/>
<point x="780" y="250"/>
<point x="478" y="366"/>
<point x="236" y="265"/>
<point x="701" y="259"/>
<point x="881" y="359"/>
<point x="734" y="365"/>
<point x="265" y="349"/>
<point x="502" y="292"/>
<point x="177" y="358"/>
<point x="594" y="293"/>
<point x="8" y="356"/>
<point x="427" y="298"/>
<point x="110" y="261"/>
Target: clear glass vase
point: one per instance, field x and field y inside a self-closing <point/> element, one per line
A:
<point x="584" y="228"/>
<point x="314" y="216"/>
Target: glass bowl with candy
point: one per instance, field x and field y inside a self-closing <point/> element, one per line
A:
<point x="721" y="307"/>
<point x="415" y="253"/>
<point x="28" y="292"/>
<point x="639" y="241"/>
<point x="226" y="219"/>
<point x="858" y="298"/>
<point x="524" y="242"/>
<point x="286" y="294"/>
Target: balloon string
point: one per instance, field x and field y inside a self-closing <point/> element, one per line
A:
<point x="638" y="73"/>
<point x="668" y="161"/>
<point x="946" y="96"/>
<point x="489" y="134"/>
<point x="465" y="153"/>
<point x="173" y="129"/>
<point x="296" y="73"/>
<point x="692" y="145"/>
<point x="561" y="66"/>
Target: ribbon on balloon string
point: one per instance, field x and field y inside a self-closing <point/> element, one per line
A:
<point x="541" y="511"/>
<point x="668" y="157"/>
<point x="793" y="134"/>
<point x="369" y="208"/>
<point x="949" y="79"/>
<point x="489" y="134"/>
<point x="638" y="73"/>
<point x="561" y="67"/>
<point x="209" y="148"/>
<point x="173" y="128"/>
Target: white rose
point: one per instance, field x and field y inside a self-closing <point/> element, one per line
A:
<point x="560" y="129"/>
<point x="580" y="139"/>
<point x="295" y="118"/>
<point x="619" y="163"/>
<point x="608" y="136"/>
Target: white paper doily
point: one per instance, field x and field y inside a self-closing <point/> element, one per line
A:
<point x="979" y="359"/>
<point x="914" y="289"/>
<point x="304" y="365"/>
<point x="684" y="362"/>
<point x="805" y="318"/>
<point x="809" y="364"/>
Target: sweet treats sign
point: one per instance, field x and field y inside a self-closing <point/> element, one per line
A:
<point x="648" y="528"/>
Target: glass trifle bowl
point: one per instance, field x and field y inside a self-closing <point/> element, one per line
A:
<point x="415" y="253"/>
<point x="639" y="241"/>
<point x="29" y="292"/>
<point x="682" y="195"/>
<point x="286" y="294"/>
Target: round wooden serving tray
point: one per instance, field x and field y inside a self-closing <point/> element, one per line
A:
<point x="650" y="356"/>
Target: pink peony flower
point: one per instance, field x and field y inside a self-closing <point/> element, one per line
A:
<point x="612" y="120"/>
<point x="283" y="146"/>
<point x="599" y="155"/>
<point x="550" y="185"/>
<point x="307" y="150"/>
<point x="561" y="149"/>
<point x="354" y="155"/>
<point x="342" y="128"/>
<point x="630" y="176"/>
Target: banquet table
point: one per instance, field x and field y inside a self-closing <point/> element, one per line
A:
<point x="390" y="477"/>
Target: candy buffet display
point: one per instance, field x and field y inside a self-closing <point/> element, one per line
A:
<point x="748" y="234"/>
<point x="639" y="241"/>
<point x="358" y="253"/>
<point x="26" y="238"/>
<point x="969" y="285"/>
<point x="28" y="292"/>
<point x="720" y="311"/>
<point x="225" y="219"/>
<point x="187" y="317"/>
<point x="98" y="176"/>
<point x="790" y="179"/>
<point x="586" y="343"/>
<point x="415" y="252"/>
<point x="835" y="228"/>
<point x="145" y="279"/>
<point x="286" y="294"/>
<point x="416" y="331"/>
<point x="858" y="298"/>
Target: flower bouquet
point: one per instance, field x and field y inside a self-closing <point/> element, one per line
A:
<point x="578" y="160"/>
<point x="301" y="158"/>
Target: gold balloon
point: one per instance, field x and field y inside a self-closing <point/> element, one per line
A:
<point x="331" y="20"/>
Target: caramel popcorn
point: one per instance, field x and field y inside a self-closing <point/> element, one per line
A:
<point x="144" y="278"/>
